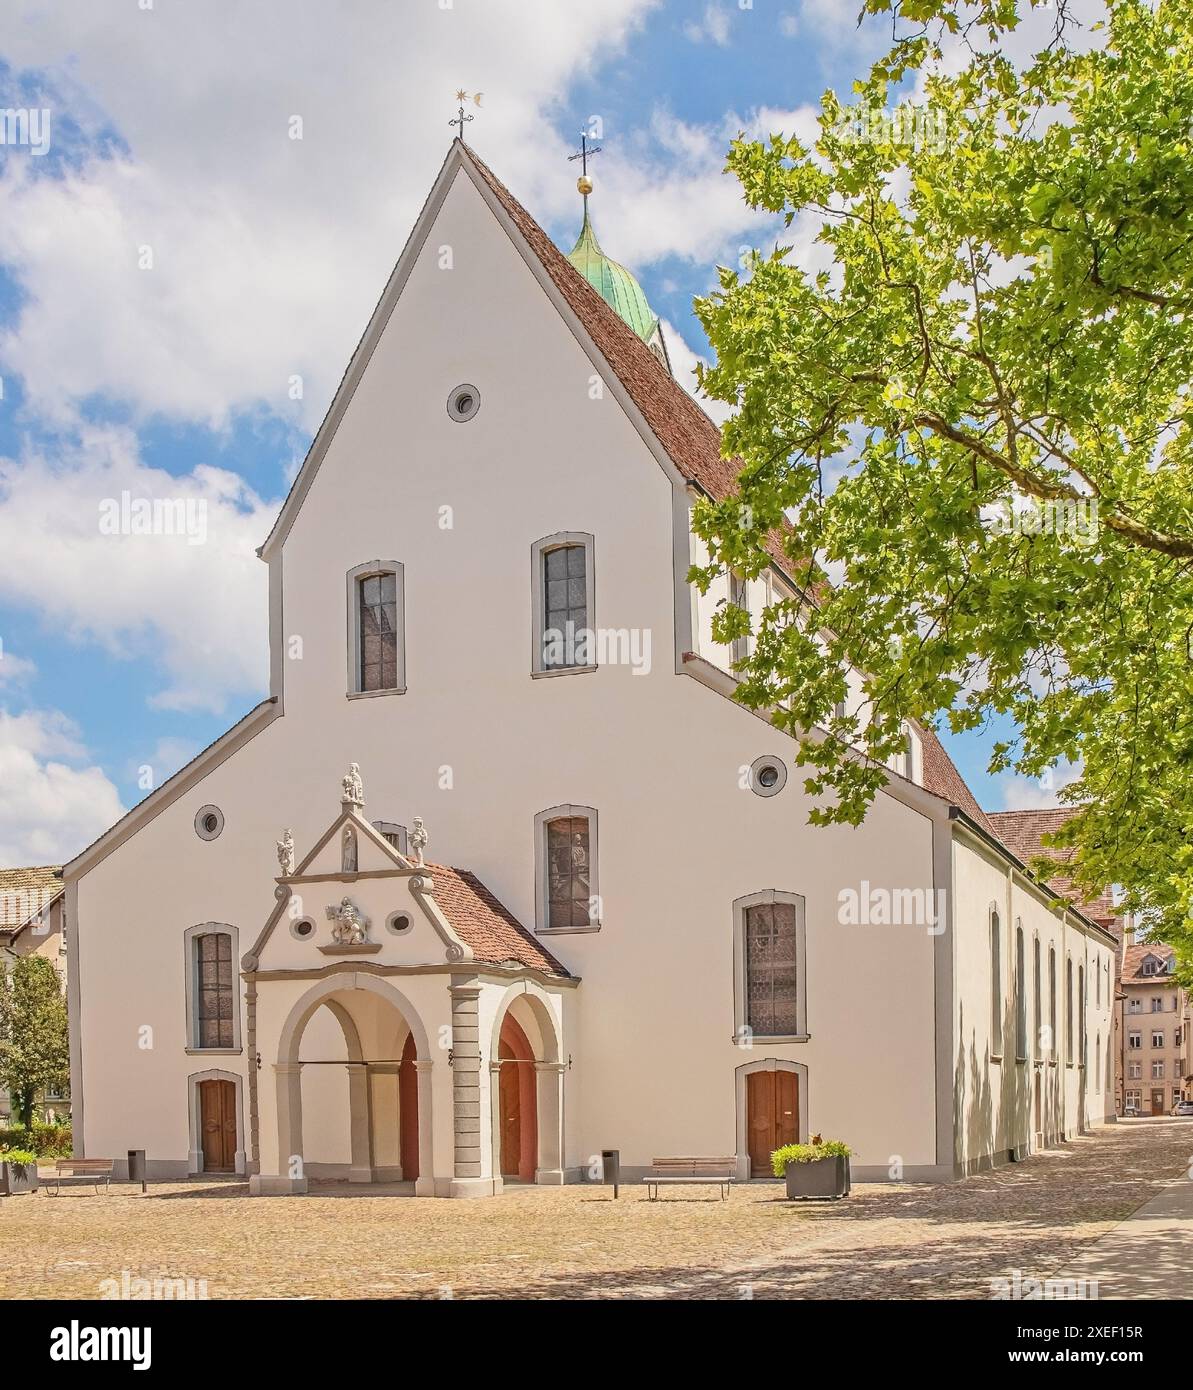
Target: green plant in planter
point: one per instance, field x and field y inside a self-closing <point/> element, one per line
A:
<point x="807" y="1153"/>
<point x="19" y="1158"/>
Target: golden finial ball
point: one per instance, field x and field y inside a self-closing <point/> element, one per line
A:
<point x="584" y="184"/>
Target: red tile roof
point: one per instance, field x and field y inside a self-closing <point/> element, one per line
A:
<point x="1133" y="958"/>
<point x="486" y="925"/>
<point x="942" y="778"/>
<point x="25" y="892"/>
<point x="1022" y="833"/>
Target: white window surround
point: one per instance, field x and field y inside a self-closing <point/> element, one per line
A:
<point x="190" y="965"/>
<point x="356" y="574"/>
<point x="741" y="1020"/>
<point x="741" y="1106"/>
<point x="541" y="895"/>
<point x="538" y="597"/>
<point x="195" y="1119"/>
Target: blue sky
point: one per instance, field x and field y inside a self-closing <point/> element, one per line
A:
<point x="172" y="133"/>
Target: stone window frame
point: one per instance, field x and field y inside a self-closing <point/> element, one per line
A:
<point x="741" y="1021"/>
<point x="352" y="580"/>
<point x="190" y="955"/>
<point x="994" y="923"/>
<point x="1020" y="968"/>
<point x="542" y="897"/>
<point x="538" y="598"/>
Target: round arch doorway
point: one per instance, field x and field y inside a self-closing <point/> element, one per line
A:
<point x="517" y="1102"/>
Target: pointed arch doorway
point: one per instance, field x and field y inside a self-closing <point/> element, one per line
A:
<point x="518" y="1109"/>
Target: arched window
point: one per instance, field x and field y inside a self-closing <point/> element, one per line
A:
<point x="1082" y="1042"/>
<point x="1020" y="997"/>
<point x="1052" y="1003"/>
<point x="563" y="631"/>
<point x="567" y="897"/>
<point x="1069" y="1010"/>
<point x="770" y="989"/>
<point x="995" y="984"/>
<point x="1037" y="1014"/>
<point x="212" y="993"/>
<point x="1098" y="1061"/>
<point x="376" y="627"/>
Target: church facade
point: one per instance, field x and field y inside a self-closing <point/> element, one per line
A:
<point x="565" y="897"/>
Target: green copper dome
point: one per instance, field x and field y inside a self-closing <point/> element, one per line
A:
<point x="613" y="282"/>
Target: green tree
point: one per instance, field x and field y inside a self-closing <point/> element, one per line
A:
<point x="977" y="422"/>
<point x="34" y="1043"/>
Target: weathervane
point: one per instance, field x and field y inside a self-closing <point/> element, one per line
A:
<point x="584" y="183"/>
<point x="462" y="96"/>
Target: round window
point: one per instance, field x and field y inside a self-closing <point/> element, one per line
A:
<point x="303" y="929"/>
<point x="398" y="923"/>
<point x="209" y="822"/>
<point x="767" y="776"/>
<point x="464" y="402"/>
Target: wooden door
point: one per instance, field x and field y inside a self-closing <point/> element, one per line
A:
<point x="217" y="1122"/>
<point x="772" y="1116"/>
<point x="408" y="1112"/>
<point x="1158" y="1102"/>
<point x="517" y="1107"/>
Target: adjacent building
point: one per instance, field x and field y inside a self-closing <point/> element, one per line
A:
<point x="32" y="906"/>
<point x="1153" y="1021"/>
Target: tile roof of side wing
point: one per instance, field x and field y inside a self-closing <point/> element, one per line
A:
<point x="1023" y="831"/>
<point x="486" y="925"/>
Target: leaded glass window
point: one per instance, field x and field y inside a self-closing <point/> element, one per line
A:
<point x="565" y="607"/>
<point x="215" y="992"/>
<point x="569" y="877"/>
<point x="377" y="597"/>
<point x="771" y="964"/>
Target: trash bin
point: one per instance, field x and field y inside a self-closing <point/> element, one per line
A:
<point x="136" y="1167"/>
<point x="611" y="1168"/>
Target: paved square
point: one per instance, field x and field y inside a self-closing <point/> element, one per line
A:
<point x="576" y="1242"/>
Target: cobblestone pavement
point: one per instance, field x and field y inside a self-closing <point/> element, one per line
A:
<point x="886" y="1241"/>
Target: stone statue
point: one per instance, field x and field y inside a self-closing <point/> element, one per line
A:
<point x="351" y="925"/>
<point x="418" y="840"/>
<point x="353" y="788"/>
<point x="348" y="855"/>
<point x="286" y="853"/>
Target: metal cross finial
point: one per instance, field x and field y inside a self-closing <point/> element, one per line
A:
<point x="461" y="97"/>
<point x="584" y="152"/>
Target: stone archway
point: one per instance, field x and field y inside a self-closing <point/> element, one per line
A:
<point x="336" y="992"/>
<point x="534" y="1050"/>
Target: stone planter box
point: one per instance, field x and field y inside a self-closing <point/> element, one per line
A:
<point x="16" y="1178"/>
<point x="823" y="1177"/>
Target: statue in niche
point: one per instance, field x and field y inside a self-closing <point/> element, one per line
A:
<point x="351" y="925"/>
<point x="348" y="851"/>
<point x="286" y="853"/>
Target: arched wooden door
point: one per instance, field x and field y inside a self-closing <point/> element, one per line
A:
<point x="217" y="1124"/>
<point x="517" y="1107"/>
<point x="408" y="1111"/>
<point x="772" y="1116"/>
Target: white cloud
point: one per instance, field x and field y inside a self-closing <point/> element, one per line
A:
<point x="55" y="802"/>
<point x="15" y="670"/>
<point x="1034" y="794"/>
<point x="789" y="25"/>
<point x="268" y="252"/>
<point x="198" y="611"/>
<point x="714" y="26"/>
<point x="683" y="367"/>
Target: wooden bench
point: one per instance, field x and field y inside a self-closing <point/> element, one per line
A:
<point x="707" y="1171"/>
<point x="82" y="1170"/>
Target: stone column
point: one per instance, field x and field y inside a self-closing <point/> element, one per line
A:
<point x="288" y="1078"/>
<point x="361" y="1161"/>
<point x="549" y="1075"/>
<point x="424" y="1185"/>
<point x="495" y="1124"/>
<point x="466" y="1094"/>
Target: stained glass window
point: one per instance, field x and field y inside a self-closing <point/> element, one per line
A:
<point x="569" y="878"/>
<point x="377" y="596"/>
<point x="215" y="993"/>
<point x="565" y="607"/>
<point x="771" y="965"/>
